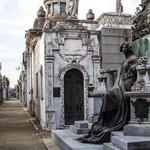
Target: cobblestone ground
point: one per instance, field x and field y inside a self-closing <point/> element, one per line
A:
<point x="16" y="132"/>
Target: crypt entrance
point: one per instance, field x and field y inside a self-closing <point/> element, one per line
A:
<point x="73" y="96"/>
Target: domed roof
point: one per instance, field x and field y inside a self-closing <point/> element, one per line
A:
<point x="41" y="12"/>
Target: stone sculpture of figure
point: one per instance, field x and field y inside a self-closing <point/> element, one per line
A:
<point x="137" y="11"/>
<point x="72" y="8"/>
<point x="119" y="7"/>
<point x="115" y="111"/>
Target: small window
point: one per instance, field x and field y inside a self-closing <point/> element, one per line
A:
<point x="62" y="7"/>
<point x="56" y="8"/>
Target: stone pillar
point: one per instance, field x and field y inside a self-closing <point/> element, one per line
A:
<point x="1" y="94"/>
<point x="50" y="111"/>
<point x="1" y="91"/>
<point x="28" y="80"/>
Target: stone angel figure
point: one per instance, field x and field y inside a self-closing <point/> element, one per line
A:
<point x="119" y="7"/>
<point x="72" y="8"/>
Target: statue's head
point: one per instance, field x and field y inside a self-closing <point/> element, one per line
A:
<point x="126" y="48"/>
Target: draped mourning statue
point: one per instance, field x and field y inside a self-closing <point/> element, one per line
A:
<point x="115" y="111"/>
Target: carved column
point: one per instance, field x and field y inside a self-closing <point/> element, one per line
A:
<point x="50" y="111"/>
<point x="96" y="61"/>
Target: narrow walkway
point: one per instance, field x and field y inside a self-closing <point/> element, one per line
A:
<point x="16" y="132"/>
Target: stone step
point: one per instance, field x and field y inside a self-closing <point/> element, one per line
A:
<point x="137" y="130"/>
<point x="81" y="124"/>
<point x="131" y="142"/>
<point x="66" y="140"/>
<point x="117" y="133"/>
<point x="79" y="130"/>
<point x="110" y="146"/>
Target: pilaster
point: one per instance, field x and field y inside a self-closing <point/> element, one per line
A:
<point x="50" y="111"/>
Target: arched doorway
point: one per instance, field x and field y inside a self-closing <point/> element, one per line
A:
<point x="73" y="96"/>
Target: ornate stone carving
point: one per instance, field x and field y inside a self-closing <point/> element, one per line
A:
<point x="119" y="7"/>
<point x="141" y="24"/>
<point x="72" y="9"/>
<point x="90" y="15"/>
<point x="86" y="81"/>
<point x="141" y="107"/>
<point x="40" y="20"/>
<point x="115" y="19"/>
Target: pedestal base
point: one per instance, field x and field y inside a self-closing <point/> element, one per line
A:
<point x="79" y="130"/>
<point x="80" y="127"/>
<point x="137" y="130"/>
<point x="66" y="140"/>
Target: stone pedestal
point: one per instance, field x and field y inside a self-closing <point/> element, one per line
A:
<point x="137" y="130"/>
<point x="128" y="143"/>
<point x="80" y="127"/>
<point x="136" y="135"/>
<point x="140" y="114"/>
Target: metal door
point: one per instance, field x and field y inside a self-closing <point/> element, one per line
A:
<point x="73" y="96"/>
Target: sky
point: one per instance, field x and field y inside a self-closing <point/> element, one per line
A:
<point x="17" y="16"/>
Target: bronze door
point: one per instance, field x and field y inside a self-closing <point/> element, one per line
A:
<point x="73" y="96"/>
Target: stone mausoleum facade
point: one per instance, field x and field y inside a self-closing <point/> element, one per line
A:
<point x="63" y="61"/>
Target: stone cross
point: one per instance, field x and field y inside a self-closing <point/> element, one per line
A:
<point x="119" y="7"/>
<point x="72" y="8"/>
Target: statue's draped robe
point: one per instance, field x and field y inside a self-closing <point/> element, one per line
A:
<point x="115" y="109"/>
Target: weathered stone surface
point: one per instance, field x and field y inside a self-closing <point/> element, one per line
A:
<point x="111" y="39"/>
<point x="76" y="130"/>
<point x="110" y="146"/>
<point x="137" y="130"/>
<point x="81" y="124"/>
<point x="131" y="142"/>
<point x="65" y="139"/>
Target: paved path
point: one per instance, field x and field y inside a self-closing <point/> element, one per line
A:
<point x="16" y="132"/>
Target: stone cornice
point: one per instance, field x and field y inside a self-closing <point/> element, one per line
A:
<point x="32" y="36"/>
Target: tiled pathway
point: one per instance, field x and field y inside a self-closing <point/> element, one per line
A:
<point x="16" y="132"/>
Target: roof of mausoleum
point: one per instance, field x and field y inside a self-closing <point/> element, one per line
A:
<point x="115" y="19"/>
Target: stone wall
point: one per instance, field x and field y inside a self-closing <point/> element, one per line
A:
<point x="111" y="39"/>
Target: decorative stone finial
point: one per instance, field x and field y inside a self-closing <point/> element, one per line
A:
<point x="119" y="7"/>
<point x="41" y="12"/>
<point x="90" y="15"/>
<point x="39" y="21"/>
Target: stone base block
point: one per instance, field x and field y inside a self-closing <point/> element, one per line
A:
<point x="66" y="140"/>
<point x="131" y="142"/>
<point x="76" y="130"/>
<point x="81" y="124"/>
<point x="117" y="133"/>
<point x="110" y="146"/>
<point x="137" y="130"/>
